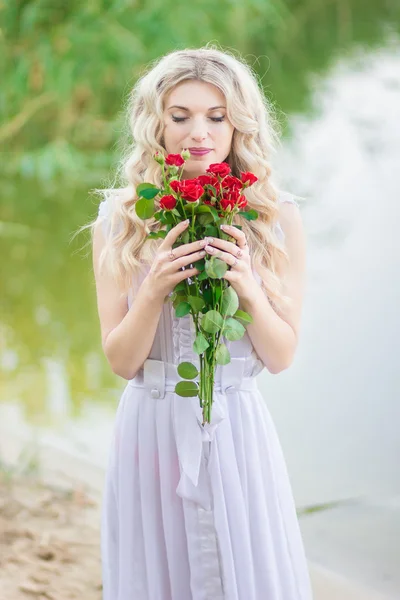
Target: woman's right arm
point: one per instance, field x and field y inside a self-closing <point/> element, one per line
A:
<point x="127" y="334"/>
<point x="121" y="328"/>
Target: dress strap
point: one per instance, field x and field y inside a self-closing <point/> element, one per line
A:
<point x="287" y="197"/>
<point x="104" y="216"/>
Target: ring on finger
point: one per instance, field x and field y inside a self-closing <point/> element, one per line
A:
<point x="236" y="262"/>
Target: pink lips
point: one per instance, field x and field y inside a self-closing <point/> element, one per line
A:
<point x="199" y="151"/>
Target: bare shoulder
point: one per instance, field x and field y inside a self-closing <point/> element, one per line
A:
<point x="291" y="222"/>
<point x="293" y="271"/>
<point x="112" y="304"/>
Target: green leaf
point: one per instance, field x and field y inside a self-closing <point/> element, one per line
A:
<point x="205" y="218"/>
<point x="222" y="355"/>
<point x="182" y="309"/>
<point x="202" y="276"/>
<point x="243" y="317"/>
<point x="214" y="213"/>
<point x="155" y="235"/>
<point x="230" y="302"/>
<point x="144" y="208"/>
<point x="147" y="190"/>
<point x="187" y="389"/>
<point x="216" y="268"/>
<point x="207" y="293"/>
<point x="200" y="264"/>
<point x="187" y="370"/>
<point x="180" y="286"/>
<point x="169" y="217"/>
<point x="185" y="237"/>
<point x="203" y="208"/>
<point x="212" y="321"/>
<point x="211" y="188"/>
<point x="200" y="344"/>
<point x="250" y="214"/>
<point x="179" y="298"/>
<point x="233" y="330"/>
<point x="211" y="231"/>
<point x="196" y="303"/>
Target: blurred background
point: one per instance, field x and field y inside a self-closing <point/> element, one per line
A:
<point x="332" y="69"/>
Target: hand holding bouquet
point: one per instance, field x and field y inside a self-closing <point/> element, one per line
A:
<point x="208" y="201"/>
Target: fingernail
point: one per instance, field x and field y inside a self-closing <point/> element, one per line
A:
<point x="186" y="222"/>
<point x="224" y="226"/>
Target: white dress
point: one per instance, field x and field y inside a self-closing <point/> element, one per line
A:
<point x="191" y="513"/>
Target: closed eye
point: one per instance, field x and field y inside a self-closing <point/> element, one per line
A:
<point x="181" y="119"/>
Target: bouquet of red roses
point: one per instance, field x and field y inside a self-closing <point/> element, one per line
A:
<point x="208" y="201"/>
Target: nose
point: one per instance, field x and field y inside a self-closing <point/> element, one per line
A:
<point x="199" y="132"/>
<point x="199" y="136"/>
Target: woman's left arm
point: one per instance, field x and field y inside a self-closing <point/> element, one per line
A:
<point x="273" y="335"/>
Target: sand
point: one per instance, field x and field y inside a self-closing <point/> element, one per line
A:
<point x="49" y="541"/>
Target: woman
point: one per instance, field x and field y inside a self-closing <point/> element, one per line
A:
<point x="192" y="512"/>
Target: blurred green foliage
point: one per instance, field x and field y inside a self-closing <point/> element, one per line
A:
<point x="66" y="70"/>
<point x="68" y="66"/>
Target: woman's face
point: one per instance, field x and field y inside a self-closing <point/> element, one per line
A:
<point x="195" y="117"/>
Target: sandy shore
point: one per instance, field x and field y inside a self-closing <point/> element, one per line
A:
<point x="50" y="529"/>
<point x="49" y="542"/>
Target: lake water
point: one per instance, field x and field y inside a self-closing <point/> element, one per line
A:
<point x="337" y="408"/>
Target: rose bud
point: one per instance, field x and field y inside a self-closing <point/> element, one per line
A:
<point x="160" y="158"/>
<point x="168" y="202"/>
<point x="175" y="185"/>
<point x="185" y="154"/>
<point x="248" y="178"/>
<point x="175" y="160"/>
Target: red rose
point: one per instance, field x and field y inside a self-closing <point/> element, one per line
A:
<point x="175" y="186"/>
<point x="220" y="169"/>
<point x="242" y="202"/>
<point x="230" y="198"/>
<point x="174" y="159"/>
<point x="205" y="179"/>
<point x="248" y="178"/>
<point x="231" y="182"/>
<point x="225" y="202"/>
<point x="210" y="180"/>
<point x="191" y="190"/>
<point x="168" y="202"/>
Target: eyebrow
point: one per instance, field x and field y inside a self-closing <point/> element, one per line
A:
<point x="185" y="108"/>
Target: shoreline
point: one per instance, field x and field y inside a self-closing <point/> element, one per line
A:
<point x="64" y="492"/>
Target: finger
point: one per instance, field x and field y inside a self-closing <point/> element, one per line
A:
<point x="173" y="235"/>
<point x="188" y="248"/>
<point x="187" y="273"/>
<point x="188" y="259"/>
<point x="225" y="245"/>
<point x="236" y="233"/>
<point x="225" y="256"/>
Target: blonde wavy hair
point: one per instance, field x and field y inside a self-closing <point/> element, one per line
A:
<point x="254" y="138"/>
